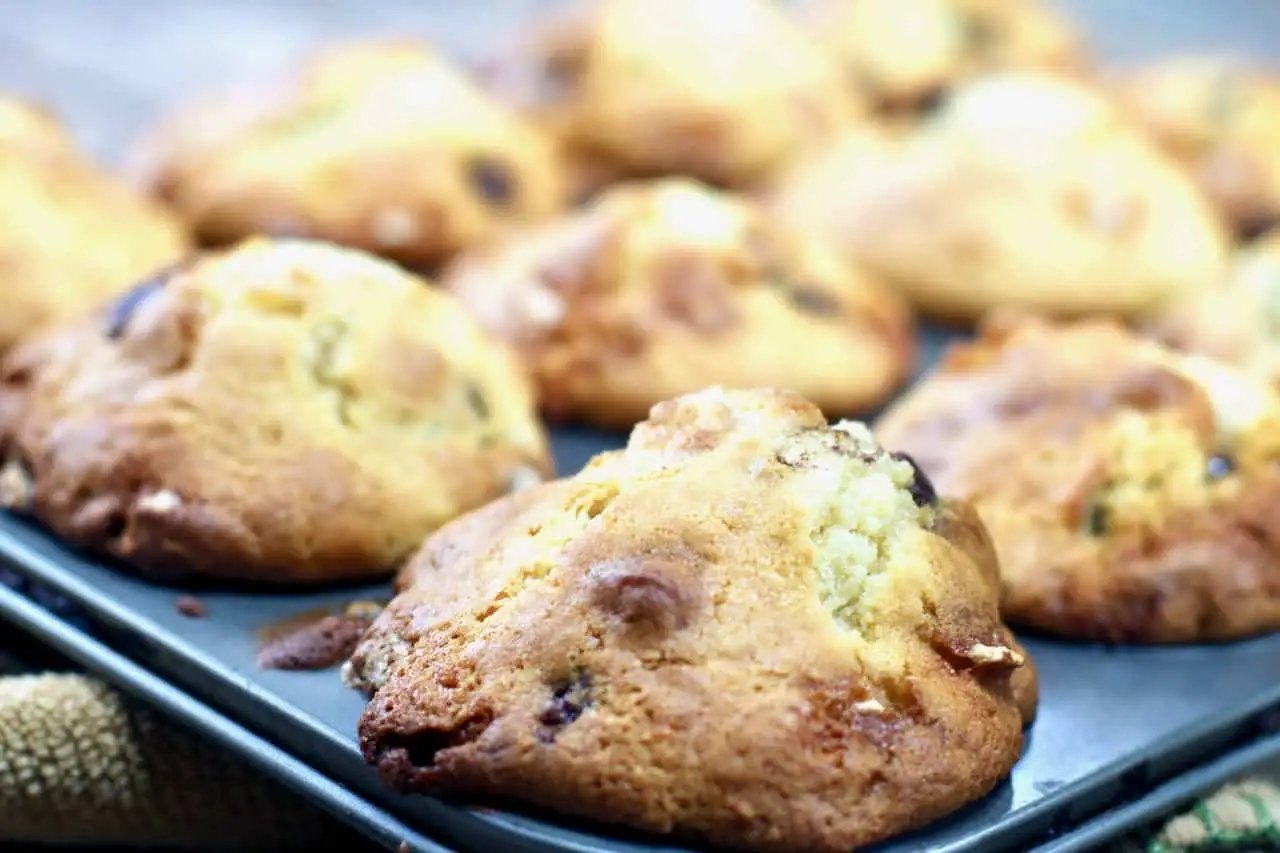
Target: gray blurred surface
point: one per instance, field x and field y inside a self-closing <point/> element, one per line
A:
<point x="110" y="66"/>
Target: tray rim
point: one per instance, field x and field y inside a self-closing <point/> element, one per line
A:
<point x="122" y="672"/>
<point x="1127" y="777"/>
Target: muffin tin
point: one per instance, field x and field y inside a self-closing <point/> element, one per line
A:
<point x="1114" y="722"/>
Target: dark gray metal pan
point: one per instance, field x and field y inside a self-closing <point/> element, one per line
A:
<point x="1114" y="722"/>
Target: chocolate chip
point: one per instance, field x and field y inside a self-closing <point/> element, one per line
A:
<point x="933" y="102"/>
<point x="568" y="702"/>
<point x="922" y="490"/>
<point x="813" y="301"/>
<point x="477" y="402"/>
<point x="1219" y="466"/>
<point x="1255" y="224"/>
<point x="491" y="178"/>
<point x="980" y="33"/>
<point x="1097" y="519"/>
<point x="123" y="309"/>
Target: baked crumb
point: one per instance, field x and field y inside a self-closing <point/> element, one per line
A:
<point x="192" y="607"/>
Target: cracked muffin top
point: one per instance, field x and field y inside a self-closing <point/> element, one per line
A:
<point x="721" y="90"/>
<point x="71" y="235"/>
<point x="379" y="144"/>
<point x="661" y="288"/>
<point x="1132" y="492"/>
<point x="746" y="627"/>
<point x="281" y="411"/>
<point x="1023" y="189"/>
<point x="1221" y="118"/>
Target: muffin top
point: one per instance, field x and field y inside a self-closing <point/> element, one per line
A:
<point x="747" y="626"/>
<point x="379" y="144"/>
<point x="661" y="288"/>
<point x="725" y="91"/>
<point x="1023" y="189"/>
<point x="280" y="411"/>
<point x="1129" y="489"/>
<point x="71" y="235"/>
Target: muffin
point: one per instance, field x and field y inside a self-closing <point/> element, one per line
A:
<point x="1239" y="322"/>
<point x="904" y="53"/>
<point x="1023" y="190"/>
<point x="746" y="628"/>
<point x="1132" y="492"/>
<point x="1220" y="117"/>
<point x="71" y="235"/>
<point x="725" y="91"/>
<point x="659" y="289"/>
<point x="381" y="145"/>
<point x="280" y="412"/>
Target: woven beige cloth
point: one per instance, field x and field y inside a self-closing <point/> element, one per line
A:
<point x="81" y="763"/>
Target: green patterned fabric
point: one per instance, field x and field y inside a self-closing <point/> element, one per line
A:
<point x="82" y="764"/>
<point x="1243" y="816"/>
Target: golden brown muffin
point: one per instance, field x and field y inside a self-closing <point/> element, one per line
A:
<point x="381" y="145"/>
<point x="1239" y="322"/>
<point x="1023" y="190"/>
<point x="722" y="90"/>
<point x="71" y="236"/>
<point x="1221" y="118"/>
<point x="1132" y="492"/>
<point x="747" y="627"/>
<point x="902" y="53"/>
<point x="1013" y="34"/>
<point x="660" y="289"/>
<point x="284" y="412"/>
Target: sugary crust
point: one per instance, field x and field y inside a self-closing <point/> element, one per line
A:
<point x="1131" y="492"/>
<point x="378" y="144"/>
<point x="659" y="289"/>
<point x="746" y="627"/>
<point x="283" y="412"/>
<point x="71" y="235"/>
<point x="1023" y="190"/>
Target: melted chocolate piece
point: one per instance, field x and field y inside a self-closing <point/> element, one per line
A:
<point x="477" y="402"/>
<point x="567" y="704"/>
<point x="922" y="490"/>
<point x="1097" y="520"/>
<point x="813" y="301"/>
<point x="127" y="304"/>
<point x="316" y="642"/>
<point x="492" y="179"/>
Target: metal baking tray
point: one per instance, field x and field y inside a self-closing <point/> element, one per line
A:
<point x="1114" y="722"/>
<point x="66" y="628"/>
<point x="80" y="639"/>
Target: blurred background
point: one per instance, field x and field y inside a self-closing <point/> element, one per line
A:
<point x="109" y="66"/>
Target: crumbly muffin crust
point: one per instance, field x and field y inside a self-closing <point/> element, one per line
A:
<point x="747" y="627"/>
<point x="71" y="235"/>
<point x="1023" y="190"/>
<point x="1220" y="117"/>
<point x="282" y="411"/>
<point x="379" y="144"/>
<point x="1130" y="490"/>
<point x="726" y="91"/>
<point x="659" y="289"/>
